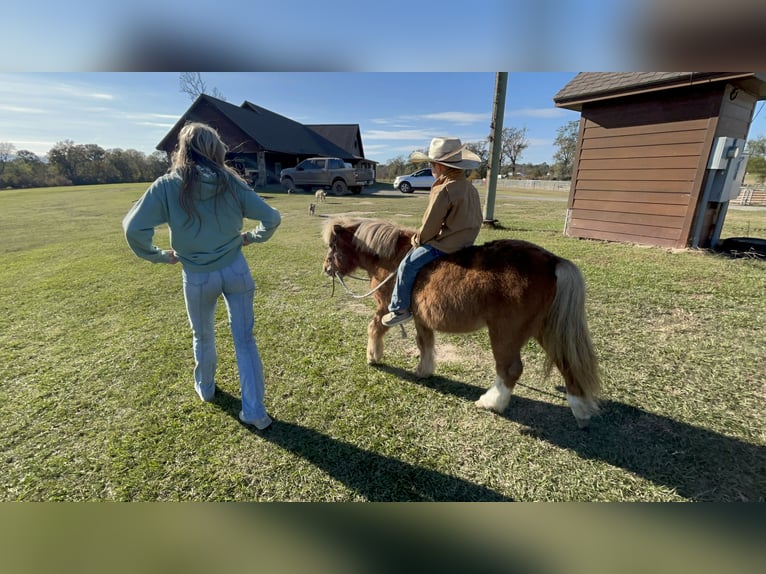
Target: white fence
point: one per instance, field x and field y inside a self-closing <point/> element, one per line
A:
<point x="751" y="195"/>
<point x="530" y="184"/>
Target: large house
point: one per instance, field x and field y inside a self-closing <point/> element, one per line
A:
<point x="261" y="143"/>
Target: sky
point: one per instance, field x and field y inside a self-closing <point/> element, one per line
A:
<point x="405" y="72"/>
<point x="396" y="35"/>
<point x="293" y="35"/>
<point x="397" y="112"/>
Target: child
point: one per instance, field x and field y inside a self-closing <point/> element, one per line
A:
<point x="451" y="222"/>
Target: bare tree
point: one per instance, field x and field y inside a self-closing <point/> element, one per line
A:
<point x="481" y="149"/>
<point x="756" y="165"/>
<point x="6" y="151"/>
<point x="514" y="143"/>
<point x="566" y="146"/>
<point x="193" y="85"/>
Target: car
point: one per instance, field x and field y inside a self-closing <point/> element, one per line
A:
<point x="421" y="179"/>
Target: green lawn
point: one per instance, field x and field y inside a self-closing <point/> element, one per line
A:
<point x="97" y="400"/>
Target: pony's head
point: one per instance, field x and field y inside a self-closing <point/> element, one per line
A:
<point x="351" y="241"/>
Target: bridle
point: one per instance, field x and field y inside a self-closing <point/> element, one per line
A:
<point x="335" y="274"/>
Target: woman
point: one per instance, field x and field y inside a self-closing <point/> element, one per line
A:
<point x="451" y="221"/>
<point x="204" y="203"/>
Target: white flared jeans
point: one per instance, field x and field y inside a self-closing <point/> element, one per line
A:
<point x="201" y="292"/>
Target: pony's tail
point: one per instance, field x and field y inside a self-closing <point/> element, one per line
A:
<point x="567" y="343"/>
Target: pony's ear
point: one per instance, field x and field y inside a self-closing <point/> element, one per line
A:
<point x="338" y="228"/>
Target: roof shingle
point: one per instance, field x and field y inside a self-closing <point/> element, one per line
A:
<point x="596" y="85"/>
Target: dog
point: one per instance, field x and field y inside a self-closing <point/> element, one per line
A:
<point x="312" y="208"/>
<point x="320" y="195"/>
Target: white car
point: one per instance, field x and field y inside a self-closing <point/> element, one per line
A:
<point x="421" y="179"/>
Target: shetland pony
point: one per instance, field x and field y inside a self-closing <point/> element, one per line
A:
<point x="516" y="289"/>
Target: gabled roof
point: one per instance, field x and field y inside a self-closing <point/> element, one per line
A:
<point x="346" y="136"/>
<point x="588" y="87"/>
<point x="270" y="131"/>
<point x="280" y="134"/>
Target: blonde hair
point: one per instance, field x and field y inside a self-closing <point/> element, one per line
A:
<point x="199" y="145"/>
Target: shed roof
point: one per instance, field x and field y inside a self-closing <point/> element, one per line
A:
<point x="588" y="87"/>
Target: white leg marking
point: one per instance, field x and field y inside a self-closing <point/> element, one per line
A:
<point x="496" y="398"/>
<point x="426" y="365"/>
<point x="374" y="349"/>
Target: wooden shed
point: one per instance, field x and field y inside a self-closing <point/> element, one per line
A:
<point x="659" y="154"/>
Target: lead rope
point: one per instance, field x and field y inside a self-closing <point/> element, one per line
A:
<point x="370" y="292"/>
<point x="340" y="279"/>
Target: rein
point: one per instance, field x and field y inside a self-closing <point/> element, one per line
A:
<point x="370" y="292"/>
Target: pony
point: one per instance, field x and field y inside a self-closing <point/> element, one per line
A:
<point x="514" y="288"/>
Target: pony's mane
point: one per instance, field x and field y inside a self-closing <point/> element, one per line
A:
<point x="374" y="236"/>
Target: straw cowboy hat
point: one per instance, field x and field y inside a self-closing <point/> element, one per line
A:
<point x="449" y="152"/>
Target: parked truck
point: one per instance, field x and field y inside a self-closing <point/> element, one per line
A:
<point x="328" y="173"/>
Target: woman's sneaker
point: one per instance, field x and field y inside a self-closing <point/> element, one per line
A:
<point x="395" y="317"/>
<point x="261" y="424"/>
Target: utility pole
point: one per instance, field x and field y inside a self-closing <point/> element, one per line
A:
<point x="495" y="146"/>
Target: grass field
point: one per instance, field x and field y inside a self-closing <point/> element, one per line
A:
<point x="97" y="400"/>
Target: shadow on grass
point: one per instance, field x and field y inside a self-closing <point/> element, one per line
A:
<point x="697" y="463"/>
<point x="378" y="478"/>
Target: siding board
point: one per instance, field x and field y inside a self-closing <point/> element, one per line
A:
<point x="594" y="130"/>
<point x="680" y="137"/>
<point x="623" y="237"/>
<point x="643" y="185"/>
<point x="681" y="149"/>
<point x="700" y="102"/>
<point x="635" y="197"/>
<point x="674" y="222"/>
<point x="627" y="228"/>
<point x="637" y="174"/>
<point x="684" y="162"/>
<point x="629" y="207"/>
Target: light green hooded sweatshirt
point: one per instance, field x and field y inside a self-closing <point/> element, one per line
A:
<point x="201" y="245"/>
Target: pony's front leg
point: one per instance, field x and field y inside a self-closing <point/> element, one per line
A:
<point x="375" y="332"/>
<point x="425" y="340"/>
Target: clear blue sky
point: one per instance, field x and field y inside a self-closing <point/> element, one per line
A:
<point x="397" y="112"/>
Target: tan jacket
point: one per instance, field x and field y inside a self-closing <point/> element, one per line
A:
<point x="453" y="217"/>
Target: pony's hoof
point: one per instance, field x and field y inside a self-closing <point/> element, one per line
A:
<point x="583" y="424"/>
<point x="495" y="399"/>
<point x="482" y="403"/>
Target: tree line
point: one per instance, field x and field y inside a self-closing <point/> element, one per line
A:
<point x="68" y="163"/>
<point x="512" y="145"/>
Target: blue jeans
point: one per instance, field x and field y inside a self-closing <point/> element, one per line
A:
<point x="201" y="292"/>
<point x="413" y="262"/>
